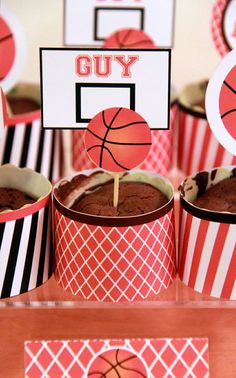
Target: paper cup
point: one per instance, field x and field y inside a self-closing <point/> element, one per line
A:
<point x="115" y="258"/>
<point x="25" y="252"/>
<point x="159" y="159"/>
<point x="198" y="149"/>
<point x="25" y="144"/>
<point x="207" y="249"/>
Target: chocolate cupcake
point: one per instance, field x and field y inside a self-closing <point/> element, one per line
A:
<point x="207" y="251"/>
<point x="23" y="143"/>
<point x="198" y="149"/>
<point x="25" y="252"/>
<point x="114" y="254"/>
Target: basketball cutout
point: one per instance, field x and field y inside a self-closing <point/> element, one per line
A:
<point x="129" y="38"/>
<point x="117" y="363"/>
<point x="117" y="139"/>
<point x="7" y="48"/>
<point x="221" y="102"/>
<point x="228" y="102"/>
<point x="12" y="49"/>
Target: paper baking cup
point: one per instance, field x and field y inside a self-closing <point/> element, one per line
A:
<point x="198" y="149"/>
<point x="25" y="144"/>
<point x="207" y="242"/>
<point x="159" y="159"/>
<point x="116" y="258"/>
<point x="25" y="252"/>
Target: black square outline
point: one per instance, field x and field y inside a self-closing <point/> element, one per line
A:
<point x="79" y="86"/>
<point x="96" y="24"/>
<point x="98" y="50"/>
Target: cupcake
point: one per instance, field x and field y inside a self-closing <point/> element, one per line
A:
<point x="104" y="253"/>
<point x="23" y="143"/>
<point x="25" y="252"/>
<point x="198" y="149"/>
<point x="207" y="250"/>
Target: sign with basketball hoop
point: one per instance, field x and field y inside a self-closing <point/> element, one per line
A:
<point x="90" y="22"/>
<point x="221" y="102"/>
<point x="223" y="25"/>
<point x="76" y="84"/>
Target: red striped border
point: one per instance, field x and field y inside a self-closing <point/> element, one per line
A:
<point x="23" y="212"/>
<point x="217" y="26"/>
<point x="23" y="118"/>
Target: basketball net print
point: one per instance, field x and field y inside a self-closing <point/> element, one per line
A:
<point x="117" y="139"/>
<point x="117" y="363"/>
<point x="129" y="38"/>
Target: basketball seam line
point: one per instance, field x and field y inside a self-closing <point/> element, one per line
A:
<point x="118" y="143"/>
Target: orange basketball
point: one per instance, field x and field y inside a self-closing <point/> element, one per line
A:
<point x="129" y="38"/>
<point x="118" y="139"/>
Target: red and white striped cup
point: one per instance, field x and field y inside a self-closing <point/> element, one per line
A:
<point x="25" y="239"/>
<point x="115" y="258"/>
<point x="207" y="240"/>
<point x="23" y="142"/>
<point x="159" y="159"/>
<point x="198" y="148"/>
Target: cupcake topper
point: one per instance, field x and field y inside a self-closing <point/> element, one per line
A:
<point x="129" y="38"/>
<point x="12" y="48"/>
<point x="117" y="140"/>
<point x="221" y="102"/>
<point x="3" y="110"/>
<point x="223" y="25"/>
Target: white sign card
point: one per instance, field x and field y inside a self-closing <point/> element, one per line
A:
<point x="221" y="102"/>
<point x="76" y="84"/>
<point x="90" y="22"/>
<point x="2" y="112"/>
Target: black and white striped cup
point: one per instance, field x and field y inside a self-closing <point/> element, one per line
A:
<point x="25" y="144"/>
<point x="25" y="234"/>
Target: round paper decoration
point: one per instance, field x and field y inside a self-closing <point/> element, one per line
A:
<point x="223" y="25"/>
<point x="129" y="38"/>
<point x="221" y="102"/>
<point x="117" y="139"/>
<point x="12" y="49"/>
<point x="117" y="363"/>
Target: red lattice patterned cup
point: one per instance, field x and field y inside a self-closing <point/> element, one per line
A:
<point x="116" y="258"/>
<point x="159" y="159"/>
<point x="198" y="148"/>
<point x="207" y="240"/>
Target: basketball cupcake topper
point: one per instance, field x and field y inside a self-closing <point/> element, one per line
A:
<point x="129" y="38"/>
<point x="221" y="102"/>
<point x="117" y="140"/>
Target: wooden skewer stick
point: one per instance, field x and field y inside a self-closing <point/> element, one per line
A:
<point x="116" y="190"/>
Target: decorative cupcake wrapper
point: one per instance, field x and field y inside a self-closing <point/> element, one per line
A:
<point x="207" y="250"/>
<point x="159" y="159"/>
<point x="24" y="144"/>
<point x="185" y="357"/>
<point x="116" y="258"/>
<point x="198" y="149"/>
<point x="25" y="238"/>
<point x="114" y="263"/>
